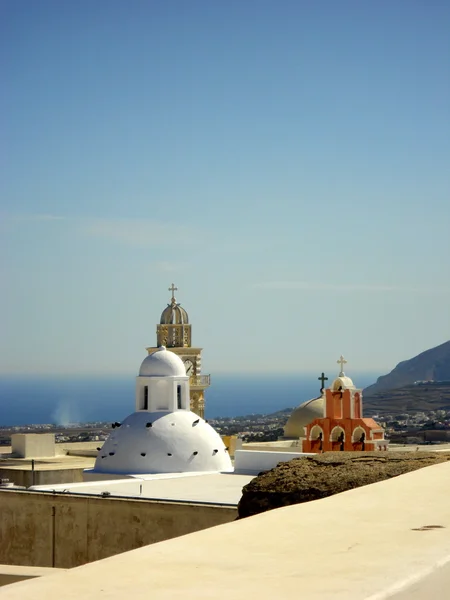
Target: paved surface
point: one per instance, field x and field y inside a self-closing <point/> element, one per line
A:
<point x="434" y="585"/>
<point x="374" y="542"/>
<point x="218" y="488"/>
<point x="12" y="573"/>
<point x="52" y="463"/>
<point x="421" y="448"/>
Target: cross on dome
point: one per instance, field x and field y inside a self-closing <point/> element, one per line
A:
<point x="341" y="362"/>
<point x="322" y="379"/>
<point x="173" y="289"/>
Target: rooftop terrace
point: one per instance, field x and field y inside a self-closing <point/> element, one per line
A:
<point x="386" y="540"/>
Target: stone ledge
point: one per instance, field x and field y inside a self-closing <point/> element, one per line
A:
<point x="366" y="543"/>
<point x="14" y="573"/>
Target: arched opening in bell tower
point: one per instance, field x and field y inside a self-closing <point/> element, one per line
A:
<point x="337" y="438"/>
<point x="316" y="438"/>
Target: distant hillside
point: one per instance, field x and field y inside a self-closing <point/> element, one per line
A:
<point x="409" y="399"/>
<point x="431" y="365"/>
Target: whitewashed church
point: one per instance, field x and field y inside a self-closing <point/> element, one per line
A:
<point x="163" y="435"/>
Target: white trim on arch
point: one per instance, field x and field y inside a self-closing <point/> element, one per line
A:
<point x="340" y="430"/>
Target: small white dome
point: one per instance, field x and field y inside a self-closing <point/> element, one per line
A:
<point x="161" y="442"/>
<point x="162" y="363"/>
<point x="302" y="416"/>
<point x="342" y="383"/>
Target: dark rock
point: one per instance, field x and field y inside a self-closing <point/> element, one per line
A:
<point x="314" y="477"/>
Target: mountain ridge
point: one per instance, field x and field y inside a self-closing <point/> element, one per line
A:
<point x="430" y="365"/>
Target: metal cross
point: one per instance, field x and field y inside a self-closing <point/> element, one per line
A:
<point x="322" y="378"/>
<point x="341" y="362"/>
<point x="173" y="289"/>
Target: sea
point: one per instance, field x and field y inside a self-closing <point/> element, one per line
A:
<point x="82" y="399"/>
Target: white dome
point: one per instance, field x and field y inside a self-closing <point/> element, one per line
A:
<point x="162" y="442"/>
<point x="342" y="382"/>
<point x="162" y="363"/>
<point x="302" y="416"/>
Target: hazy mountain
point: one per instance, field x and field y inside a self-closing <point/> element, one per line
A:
<point x="409" y="399"/>
<point x="431" y="365"/>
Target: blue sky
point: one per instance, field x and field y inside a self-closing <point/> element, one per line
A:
<point x="285" y="163"/>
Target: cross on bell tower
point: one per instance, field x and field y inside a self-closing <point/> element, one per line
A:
<point x="341" y="362"/>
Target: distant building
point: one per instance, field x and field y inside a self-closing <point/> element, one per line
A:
<point x="342" y="426"/>
<point x="163" y="435"/>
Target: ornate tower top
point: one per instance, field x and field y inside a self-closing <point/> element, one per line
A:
<point x="174" y="330"/>
<point x="174" y="314"/>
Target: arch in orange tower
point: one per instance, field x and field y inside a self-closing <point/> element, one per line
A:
<point x="316" y="436"/>
<point x="337" y="438"/>
<point x="359" y="438"/>
<point x="357" y="433"/>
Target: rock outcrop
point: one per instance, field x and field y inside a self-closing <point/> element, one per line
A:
<point x="315" y="477"/>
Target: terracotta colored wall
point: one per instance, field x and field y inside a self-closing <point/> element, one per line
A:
<point x="47" y="530"/>
<point x="348" y="425"/>
<point x="346" y="413"/>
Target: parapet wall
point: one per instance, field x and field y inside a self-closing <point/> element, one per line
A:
<point x="26" y="477"/>
<point x="379" y="541"/>
<point x="255" y="461"/>
<point x="58" y="530"/>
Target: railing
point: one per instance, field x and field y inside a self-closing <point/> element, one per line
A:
<point x="200" y="380"/>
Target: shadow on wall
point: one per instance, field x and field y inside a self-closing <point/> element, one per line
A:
<point x="36" y="526"/>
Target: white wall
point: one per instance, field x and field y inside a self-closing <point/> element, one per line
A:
<point x="255" y="461"/>
<point x="162" y="393"/>
<point x="33" y="445"/>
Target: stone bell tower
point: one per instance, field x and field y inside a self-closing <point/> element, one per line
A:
<point x="174" y="332"/>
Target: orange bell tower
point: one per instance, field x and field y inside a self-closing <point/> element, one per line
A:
<point x="342" y="426"/>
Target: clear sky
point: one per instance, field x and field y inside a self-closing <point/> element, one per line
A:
<point x="285" y="163"/>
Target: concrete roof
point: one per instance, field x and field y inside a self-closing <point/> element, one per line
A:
<point x="366" y="544"/>
<point x="53" y="463"/>
<point x="217" y="488"/>
<point x="69" y="455"/>
<point x="13" y="573"/>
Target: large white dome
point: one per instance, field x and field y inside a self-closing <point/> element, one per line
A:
<point x="162" y="363"/>
<point x="162" y="442"/>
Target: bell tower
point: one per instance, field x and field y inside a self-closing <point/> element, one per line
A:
<point x="174" y="332"/>
<point x="343" y="426"/>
